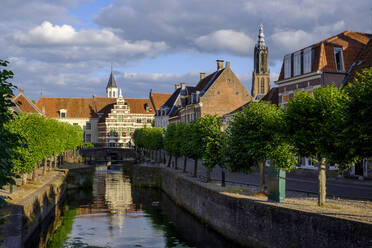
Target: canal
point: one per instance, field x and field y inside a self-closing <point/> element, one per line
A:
<point x="116" y="214"/>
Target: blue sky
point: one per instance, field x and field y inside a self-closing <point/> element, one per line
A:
<point x="65" y="48"/>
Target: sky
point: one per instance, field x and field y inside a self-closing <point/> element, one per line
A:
<point x="65" y="48"/>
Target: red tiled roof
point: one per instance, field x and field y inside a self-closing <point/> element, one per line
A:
<point x="25" y="104"/>
<point x="363" y="61"/>
<point x="85" y="107"/>
<point x="158" y="99"/>
<point x="324" y="60"/>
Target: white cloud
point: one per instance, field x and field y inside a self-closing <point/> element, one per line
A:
<point x="291" y="40"/>
<point x="226" y="40"/>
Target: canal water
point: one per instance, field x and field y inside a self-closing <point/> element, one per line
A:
<point x="116" y="214"/>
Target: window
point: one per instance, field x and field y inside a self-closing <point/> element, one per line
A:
<point x="262" y="86"/>
<point x="75" y="124"/>
<point x="88" y="126"/>
<point x="307" y="60"/>
<point x="297" y="64"/>
<point x="287" y="66"/>
<point x="113" y="94"/>
<point x="262" y="62"/>
<point x="110" y="93"/>
<point x="120" y="118"/>
<point x="139" y="120"/>
<point x="62" y="113"/>
<point x="112" y="132"/>
<point x="88" y="137"/>
<point x="148" y="120"/>
<point x="339" y="60"/>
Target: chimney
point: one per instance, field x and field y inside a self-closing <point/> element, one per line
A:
<point x="227" y="66"/>
<point x="183" y="86"/>
<point x="43" y="109"/>
<point x="21" y="91"/>
<point x="177" y="86"/>
<point x="219" y="64"/>
<point x="202" y="75"/>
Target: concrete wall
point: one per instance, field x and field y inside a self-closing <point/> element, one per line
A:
<point x="253" y="223"/>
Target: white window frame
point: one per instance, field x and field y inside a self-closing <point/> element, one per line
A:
<point x="336" y="50"/>
<point x="287" y="66"/>
<point x="307" y="60"/>
<point x="297" y="64"/>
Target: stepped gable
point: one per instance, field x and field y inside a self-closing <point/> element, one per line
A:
<point x="351" y="42"/>
<point x="363" y="61"/>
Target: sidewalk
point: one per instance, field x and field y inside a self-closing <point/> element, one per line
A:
<point x="336" y="187"/>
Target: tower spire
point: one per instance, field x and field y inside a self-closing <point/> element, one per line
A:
<point x="261" y="37"/>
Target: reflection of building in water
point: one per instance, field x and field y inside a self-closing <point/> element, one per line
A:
<point x="118" y="192"/>
<point x="111" y="193"/>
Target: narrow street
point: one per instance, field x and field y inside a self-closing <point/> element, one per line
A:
<point x="340" y="187"/>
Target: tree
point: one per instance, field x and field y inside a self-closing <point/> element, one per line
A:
<point x="183" y="136"/>
<point x="170" y="136"/>
<point x="155" y="138"/>
<point x="358" y="127"/>
<point x="315" y="126"/>
<point x="193" y="143"/>
<point x="256" y="135"/>
<point x="8" y="141"/>
<point x="209" y="129"/>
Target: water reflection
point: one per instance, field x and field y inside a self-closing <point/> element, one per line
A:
<point x="116" y="215"/>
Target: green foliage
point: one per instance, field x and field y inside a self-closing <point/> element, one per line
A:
<point x="87" y="145"/>
<point x="169" y="139"/>
<point x="358" y="129"/>
<point x="8" y="140"/>
<point x="61" y="234"/>
<point x="316" y="123"/>
<point x="44" y="138"/>
<point x="256" y="134"/>
<point x="150" y="138"/>
<point x="209" y="129"/>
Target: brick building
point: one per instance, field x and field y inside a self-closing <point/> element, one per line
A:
<point x="322" y="63"/>
<point x="108" y="121"/>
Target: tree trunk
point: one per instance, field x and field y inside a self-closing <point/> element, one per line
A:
<point x="44" y="166"/>
<point x="195" y="167"/>
<point x="262" y="176"/>
<point x="208" y="174"/>
<point x="322" y="182"/>
<point x="33" y="177"/>
<point x="184" y="163"/>
<point x="55" y="162"/>
<point x="176" y="163"/>
<point x="24" y="178"/>
<point x="165" y="157"/>
<point x="223" y="184"/>
<point x="169" y="161"/>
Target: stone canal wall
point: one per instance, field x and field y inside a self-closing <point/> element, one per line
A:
<point x="253" y="223"/>
<point x="28" y="214"/>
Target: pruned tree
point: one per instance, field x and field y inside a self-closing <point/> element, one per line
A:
<point x="315" y="126"/>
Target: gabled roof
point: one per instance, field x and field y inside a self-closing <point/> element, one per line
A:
<point x="158" y="99"/>
<point x="86" y="107"/>
<point x="25" y="104"/>
<point x="272" y="96"/>
<point x="363" y="61"/>
<point x="111" y="83"/>
<point x="206" y="82"/>
<point x="172" y="99"/>
<point x="324" y="60"/>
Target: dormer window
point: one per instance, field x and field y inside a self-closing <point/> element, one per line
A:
<point x="307" y="60"/>
<point x="339" y="59"/>
<point x="297" y="64"/>
<point x="62" y="113"/>
<point x="287" y="66"/>
<point x="147" y="107"/>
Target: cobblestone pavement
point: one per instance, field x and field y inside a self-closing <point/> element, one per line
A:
<point x="343" y="188"/>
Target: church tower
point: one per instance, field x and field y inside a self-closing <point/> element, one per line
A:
<point x="261" y="73"/>
<point x="111" y="88"/>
